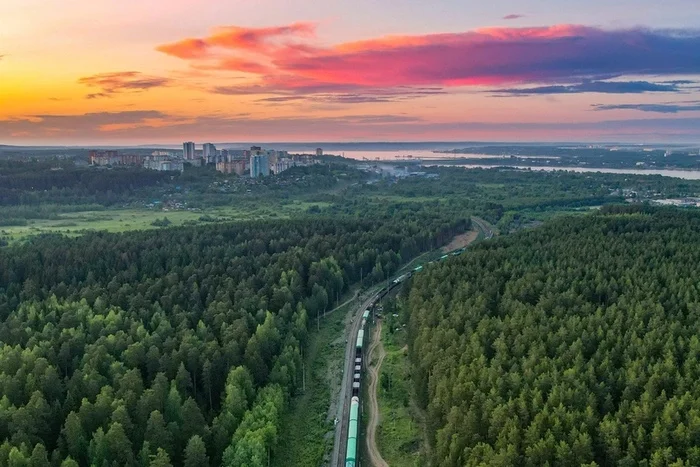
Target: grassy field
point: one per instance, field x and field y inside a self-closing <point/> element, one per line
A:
<point x="399" y="435"/>
<point x="121" y="220"/>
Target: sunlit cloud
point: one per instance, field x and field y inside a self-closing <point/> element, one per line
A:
<point x="122" y="81"/>
<point x="97" y="95"/>
<point x="186" y="48"/>
<point x="93" y="122"/>
<point x="287" y="57"/>
<point x="256" y="40"/>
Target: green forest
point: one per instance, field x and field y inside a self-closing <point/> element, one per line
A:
<point x="576" y="343"/>
<point x="174" y="347"/>
<point x="60" y="182"/>
<point x="572" y="343"/>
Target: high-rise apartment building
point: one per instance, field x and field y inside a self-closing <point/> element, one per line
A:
<point x="188" y="150"/>
<point x="209" y="153"/>
<point x="259" y="166"/>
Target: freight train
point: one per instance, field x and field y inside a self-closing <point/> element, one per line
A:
<point x="353" y="422"/>
<point x="351" y="455"/>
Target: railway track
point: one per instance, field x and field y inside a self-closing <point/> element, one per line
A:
<point x="354" y="349"/>
<point x="341" y="432"/>
<point x="488" y="233"/>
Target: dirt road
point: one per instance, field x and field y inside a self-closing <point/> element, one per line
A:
<point x="375" y="457"/>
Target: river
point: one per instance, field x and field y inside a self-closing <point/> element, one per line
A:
<point x="684" y="174"/>
<point x="426" y="155"/>
<point x="407" y="154"/>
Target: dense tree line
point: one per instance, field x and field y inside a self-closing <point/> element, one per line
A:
<point x="498" y="192"/>
<point x="31" y="183"/>
<point x="576" y="343"/>
<point x="175" y="347"/>
<point x="45" y="189"/>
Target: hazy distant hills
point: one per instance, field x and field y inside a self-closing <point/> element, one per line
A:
<point x="307" y="146"/>
<point x="339" y="147"/>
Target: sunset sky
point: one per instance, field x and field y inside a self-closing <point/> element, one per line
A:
<point x="155" y="71"/>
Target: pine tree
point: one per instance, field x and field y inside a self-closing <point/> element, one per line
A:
<point x="196" y="453"/>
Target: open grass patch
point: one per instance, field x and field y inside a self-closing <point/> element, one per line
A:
<point x="399" y="435"/>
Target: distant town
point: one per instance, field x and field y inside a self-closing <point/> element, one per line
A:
<point x="254" y="162"/>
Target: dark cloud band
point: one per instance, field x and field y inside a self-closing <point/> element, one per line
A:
<point x="664" y="108"/>
<point x="603" y="87"/>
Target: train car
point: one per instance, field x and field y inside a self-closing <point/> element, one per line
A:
<point x="418" y="268"/>
<point x="444" y="257"/>
<point x="359" y="343"/>
<point x="365" y="315"/>
<point x="357" y="380"/>
<point x="353" y="433"/>
<point x="400" y="279"/>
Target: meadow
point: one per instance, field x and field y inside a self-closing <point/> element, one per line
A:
<point x="143" y="218"/>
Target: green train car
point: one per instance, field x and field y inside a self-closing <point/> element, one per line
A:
<point x="353" y="433"/>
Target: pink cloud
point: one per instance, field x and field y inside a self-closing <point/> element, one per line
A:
<point x="240" y="64"/>
<point x="288" y="58"/>
<point x="255" y="40"/>
<point x="186" y="48"/>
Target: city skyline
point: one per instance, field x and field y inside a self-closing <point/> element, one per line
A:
<point x="98" y="73"/>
